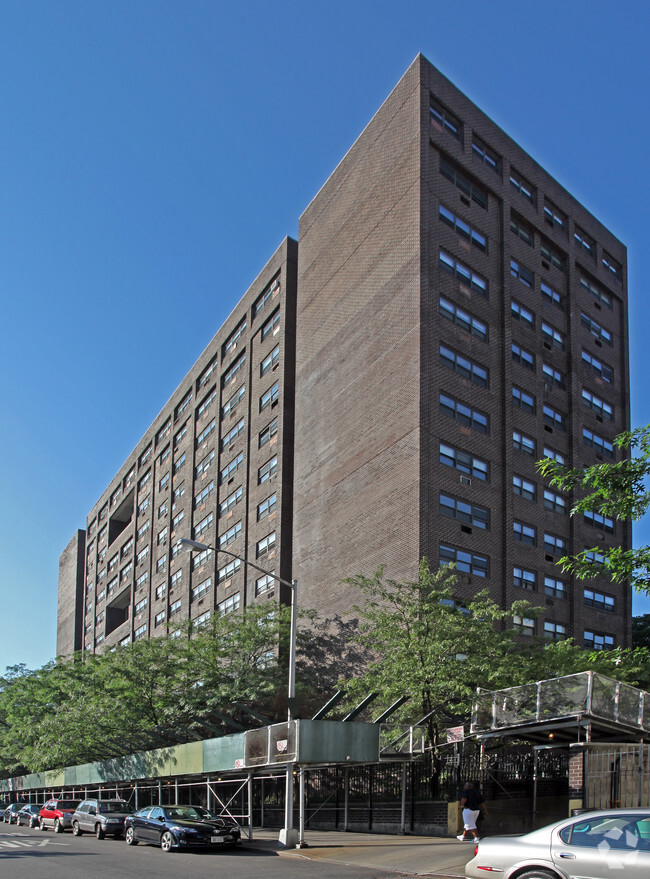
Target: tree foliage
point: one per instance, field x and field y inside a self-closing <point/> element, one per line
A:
<point x="617" y="490"/>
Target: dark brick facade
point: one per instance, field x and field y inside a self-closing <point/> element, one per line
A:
<point x="440" y="271"/>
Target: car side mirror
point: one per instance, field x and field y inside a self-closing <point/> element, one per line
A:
<point x="161" y="817"/>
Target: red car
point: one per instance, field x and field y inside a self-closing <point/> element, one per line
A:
<point x="57" y="814"/>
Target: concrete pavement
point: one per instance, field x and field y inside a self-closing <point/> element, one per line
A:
<point x="411" y="855"/>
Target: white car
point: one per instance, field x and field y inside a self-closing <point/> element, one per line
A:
<point x="609" y="844"/>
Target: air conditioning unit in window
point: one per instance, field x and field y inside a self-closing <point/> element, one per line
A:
<point x="465" y="480"/>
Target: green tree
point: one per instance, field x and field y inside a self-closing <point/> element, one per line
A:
<point x="422" y="644"/>
<point x="616" y="490"/>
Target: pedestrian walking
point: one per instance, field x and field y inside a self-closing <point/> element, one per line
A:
<point x="472" y="805"/>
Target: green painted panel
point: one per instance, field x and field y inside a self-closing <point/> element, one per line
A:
<point x="226" y="752"/>
<point x="329" y="741"/>
<point x="55" y="778"/>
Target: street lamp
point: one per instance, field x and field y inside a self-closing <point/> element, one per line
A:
<point x="288" y="835"/>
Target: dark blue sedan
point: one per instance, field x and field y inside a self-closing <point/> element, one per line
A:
<point x="179" y="827"/>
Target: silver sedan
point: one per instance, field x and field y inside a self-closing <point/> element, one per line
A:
<point x="609" y="844"/>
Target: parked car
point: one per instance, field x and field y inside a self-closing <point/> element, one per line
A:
<point x="10" y="812"/>
<point x="606" y="844"/>
<point x="57" y="814"/>
<point x="180" y="827"/>
<point x="29" y="815"/>
<point x="101" y="817"/>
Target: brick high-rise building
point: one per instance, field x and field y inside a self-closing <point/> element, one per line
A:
<point x="450" y="315"/>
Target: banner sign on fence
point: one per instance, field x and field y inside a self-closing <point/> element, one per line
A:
<point x="455" y="734"/>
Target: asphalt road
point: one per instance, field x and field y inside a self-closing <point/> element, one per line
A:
<point x="33" y="854"/>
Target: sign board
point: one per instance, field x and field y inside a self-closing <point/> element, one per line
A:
<point x="455" y="734"/>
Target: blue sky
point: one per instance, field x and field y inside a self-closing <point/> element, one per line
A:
<point x="155" y="153"/>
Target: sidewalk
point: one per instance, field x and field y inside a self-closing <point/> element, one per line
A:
<point x="413" y="855"/>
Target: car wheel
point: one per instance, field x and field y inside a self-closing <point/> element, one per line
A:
<point x="99" y="832"/>
<point x="166" y="841"/>
<point x="537" y="874"/>
<point x="58" y="827"/>
<point x="129" y="836"/>
<point x="76" y="830"/>
<point x="41" y="824"/>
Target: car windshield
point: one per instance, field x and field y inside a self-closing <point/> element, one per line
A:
<point x="67" y="804"/>
<point x="114" y="807"/>
<point x="188" y="812"/>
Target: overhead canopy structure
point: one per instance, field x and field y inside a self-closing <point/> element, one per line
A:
<point x="587" y="706"/>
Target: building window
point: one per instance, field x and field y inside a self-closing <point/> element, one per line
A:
<point x="554" y="544"/>
<point x="591" y="401"/>
<point x="233" y="339"/>
<point x="464" y="274"/>
<point x="468" y="187"/>
<point x="598" y="443"/>
<point x="554" y="418"/>
<point x="161" y="590"/>
<point x="206" y="403"/>
<point x="270" y="361"/>
<point x="175" y="607"/>
<point x="159" y="619"/>
<point x="233" y="402"/>
<point x="523" y="357"/>
<point x="595" y="329"/>
<point x="523" y="625"/>
<point x="465" y="415"/>
<point x="233" y="371"/>
<point x="523" y="487"/>
<point x="553" y="378"/>
<point x="465" y="562"/>
<point x="554" y="631"/>
<point x="584" y="242"/>
<point x="126" y="549"/>
<point x="178" y="439"/>
<point x="176" y="521"/>
<point x="518" y="182"/>
<point x="231" y="501"/>
<point x="465" y="368"/>
<point x="161" y="563"/>
<point x="552" y="338"/>
<point x="204" y="525"/>
<point x="267" y="433"/>
<point x="595" y="291"/>
<point x="470" y="514"/>
<point x="139" y="633"/>
<point x="554" y="454"/>
<point x="598" y="640"/>
<point x="230" y="535"/>
<point x="483" y="152"/>
<point x="163" y="482"/>
<point x="229" y="605"/>
<point x="444" y="120"/>
<point x="141" y="605"/>
<point x="145" y="456"/>
<point x="202" y="620"/>
<point x="264" y="584"/>
<point x="164" y="431"/>
<point x="522" y="273"/>
<point x="199" y="559"/>
<point x="522" y="399"/>
<point x="228" y="571"/>
<point x="522" y="229"/>
<point x="143" y="506"/>
<point x="524" y="533"/>
<point x="266" y="544"/>
<point x="270" y="293"/>
<point x="232" y="467"/>
<point x="554" y="502"/>
<point x="142" y="555"/>
<point x="554" y="588"/>
<point x="553" y="216"/>
<point x="267" y="506"/>
<point x="269" y="397"/>
<point x="163" y="509"/>
<point x="271" y="326"/>
<point x="523" y="579"/>
<point x="551" y="296"/>
<point x="178" y="463"/>
<point x="463" y="462"/>
<point x="141" y="582"/>
<point x="203" y="587"/>
<point x="523" y="443"/>
<point x="463" y="319"/>
<point x="476" y="238"/>
<point x="595" y="558"/>
<point x="205" y="433"/>
<point x="203" y="466"/>
<point x="125" y="573"/>
<point x="267" y="470"/>
<point x="524" y="315"/>
<point x="551" y="256"/>
<point x="182" y="406"/>
<point x="598" y="520"/>
<point x="604" y="372"/>
<point x="203" y="495"/>
<point x="612" y="267"/>
<point x="599" y="600"/>
<point x="208" y="372"/>
<point x="232" y="434"/>
<point x="163" y="455"/>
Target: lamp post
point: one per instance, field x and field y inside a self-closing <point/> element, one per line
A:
<point x="288" y="835"/>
